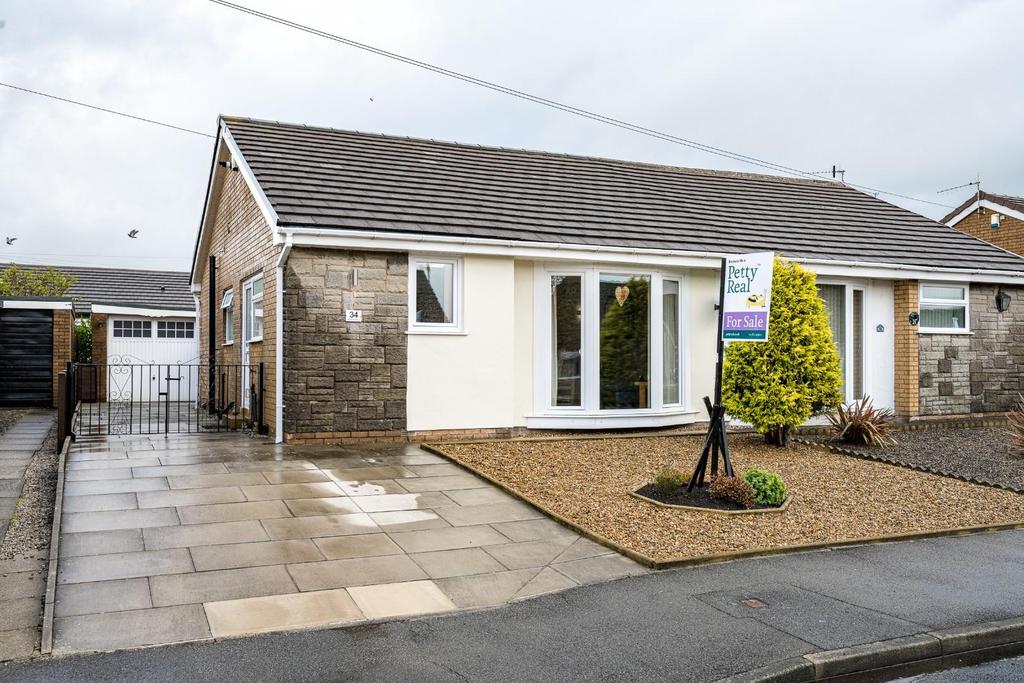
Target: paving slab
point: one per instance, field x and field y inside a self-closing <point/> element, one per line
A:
<point x="534" y="529"/>
<point x="491" y="513"/>
<point x="232" y="512"/>
<point x="429" y="540"/>
<point x="317" y="526"/>
<point x="198" y="481"/>
<point x="600" y="568"/>
<point x="453" y="482"/>
<point x="276" y="612"/>
<point x="443" y="564"/>
<point x="76" y="522"/>
<point x="184" y="497"/>
<point x="124" y="565"/>
<point x="18" y="644"/>
<point x="89" y="488"/>
<point x="189" y="535"/>
<point x="225" y="584"/>
<point x="236" y="555"/>
<point x="530" y="553"/>
<point x="486" y="590"/>
<point x="98" y="597"/>
<point x="312" y="507"/>
<point x="406" y="501"/>
<point x="291" y="491"/>
<point x="363" y="545"/>
<point x="101" y="502"/>
<point x="134" y="628"/>
<point x="408" y="520"/>
<point x="101" y="542"/>
<point x="360" y="571"/>
<point x="401" y="600"/>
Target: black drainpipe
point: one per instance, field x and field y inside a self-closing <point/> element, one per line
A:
<point x="212" y="349"/>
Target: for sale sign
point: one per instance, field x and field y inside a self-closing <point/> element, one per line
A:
<point x="748" y="297"/>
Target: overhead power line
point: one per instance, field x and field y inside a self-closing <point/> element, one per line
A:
<point x="106" y="110"/>
<point x="536" y="99"/>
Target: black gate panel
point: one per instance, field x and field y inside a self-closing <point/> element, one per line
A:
<point x="26" y="357"/>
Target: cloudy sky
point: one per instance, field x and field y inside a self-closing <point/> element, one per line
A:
<point x="911" y="97"/>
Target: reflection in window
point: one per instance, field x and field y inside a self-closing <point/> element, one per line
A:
<point x="435" y="292"/>
<point x="670" y="341"/>
<point x="567" y="337"/>
<point x="624" y="312"/>
<point x="834" y="297"/>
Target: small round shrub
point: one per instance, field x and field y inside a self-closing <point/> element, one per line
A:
<point x="769" y="489"/>
<point x="668" y="480"/>
<point x="732" y="490"/>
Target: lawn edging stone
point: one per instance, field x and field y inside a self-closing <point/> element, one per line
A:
<point x="49" y="601"/>
<point x="715" y="511"/>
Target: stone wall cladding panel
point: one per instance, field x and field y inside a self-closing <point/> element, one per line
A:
<point x="345" y="378"/>
<point x="981" y="372"/>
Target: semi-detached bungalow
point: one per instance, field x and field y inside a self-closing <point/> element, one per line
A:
<point x="401" y="288"/>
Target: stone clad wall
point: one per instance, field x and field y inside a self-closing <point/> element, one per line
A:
<point x="981" y="372"/>
<point x="345" y="380"/>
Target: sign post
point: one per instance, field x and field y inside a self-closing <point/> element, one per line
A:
<point x="744" y="307"/>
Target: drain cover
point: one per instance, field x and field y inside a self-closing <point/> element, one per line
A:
<point x="754" y="603"/>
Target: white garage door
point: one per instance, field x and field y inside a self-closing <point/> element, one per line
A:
<point x="155" y="355"/>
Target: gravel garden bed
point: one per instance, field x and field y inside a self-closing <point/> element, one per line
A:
<point x="834" y="497"/>
<point x="980" y="453"/>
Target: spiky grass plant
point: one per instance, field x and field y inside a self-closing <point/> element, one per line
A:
<point x="861" y="423"/>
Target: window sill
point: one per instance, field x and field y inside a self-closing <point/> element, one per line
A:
<point x="932" y="330"/>
<point x="255" y="340"/>
<point x="230" y="343"/>
<point x="450" y="333"/>
<point x="614" y="420"/>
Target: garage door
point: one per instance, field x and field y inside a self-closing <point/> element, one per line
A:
<point x="155" y="350"/>
<point x="26" y="357"/>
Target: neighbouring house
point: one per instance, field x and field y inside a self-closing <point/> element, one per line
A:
<point x="400" y="288"/>
<point x="138" y="317"/>
<point x="995" y="218"/>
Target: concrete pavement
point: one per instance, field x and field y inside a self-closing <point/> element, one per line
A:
<point x="685" y="625"/>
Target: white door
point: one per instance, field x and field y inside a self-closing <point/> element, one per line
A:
<point x="252" y="327"/>
<point x="143" y="353"/>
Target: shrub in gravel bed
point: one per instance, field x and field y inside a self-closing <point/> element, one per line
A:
<point x="732" y="490"/>
<point x="1016" y="421"/>
<point x="767" y="487"/>
<point x="863" y="424"/>
<point x="668" y="480"/>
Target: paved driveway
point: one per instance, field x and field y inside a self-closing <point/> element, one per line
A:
<point x="206" y="536"/>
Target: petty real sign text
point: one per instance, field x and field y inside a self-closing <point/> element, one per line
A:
<point x="748" y="297"/>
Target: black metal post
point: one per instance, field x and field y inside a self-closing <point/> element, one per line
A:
<point x="717" y="440"/>
<point x="261" y="428"/>
<point x="211" y="282"/>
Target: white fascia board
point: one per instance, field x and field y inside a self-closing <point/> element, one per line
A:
<point x="543" y="251"/>
<point x="142" y="312"/>
<point x="250" y="179"/>
<point x="259" y="196"/>
<point x="985" y="204"/>
<point x="35" y="304"/>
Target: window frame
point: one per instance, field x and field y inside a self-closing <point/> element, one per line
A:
<point x="227" y="307"/>
<point x="251" y="316"/>
<point x="589" y="414"/>
<point x="923" y="301"/>
<point x="456" y="325"/>
<point x="850" y="329"/>
<point x="175" y="336"/>
<point x="145" y="324"/>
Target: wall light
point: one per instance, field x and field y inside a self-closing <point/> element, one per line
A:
<point x="1002" y="302"/>
<point x="914" y="318"/>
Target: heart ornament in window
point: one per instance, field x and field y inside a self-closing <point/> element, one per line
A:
<point x="621" y="294"/>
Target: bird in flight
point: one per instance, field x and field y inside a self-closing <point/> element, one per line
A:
<point x="133" y="233"/>
<point x="11" y="240"/>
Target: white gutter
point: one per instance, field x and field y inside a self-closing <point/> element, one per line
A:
<point x="282" y="261"/>
<point x="363" y="239"/>
<point x="114" y="309"/>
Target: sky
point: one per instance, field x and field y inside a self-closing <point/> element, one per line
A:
<point x="912" y="97"/>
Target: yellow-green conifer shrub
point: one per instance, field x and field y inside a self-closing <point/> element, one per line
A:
<point x="778" y="384"/>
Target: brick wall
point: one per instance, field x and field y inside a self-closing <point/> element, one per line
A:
<point x="978" y="373"/>
<point x="63" y="345"/>
<point x="99" y="322"/>
<point x="241" y="240"/>
<point x="906" y="348"/>
<point x="1009" y="235"/>
<point x="345" y="381"/>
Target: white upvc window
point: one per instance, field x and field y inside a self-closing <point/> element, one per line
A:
<point x="945" y="308"/>
<point x="609" y="347"/>
<point x="226" y="305"/>
<point x="435" y="294"/>
<point x="253" y="302"/>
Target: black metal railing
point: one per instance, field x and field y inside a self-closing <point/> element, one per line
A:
<point x="154" y="398"/>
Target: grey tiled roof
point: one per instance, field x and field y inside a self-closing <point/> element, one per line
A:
<point x="1009" y="201"/>
<point x="328" y="178"/>
<point x="121" y="286"/>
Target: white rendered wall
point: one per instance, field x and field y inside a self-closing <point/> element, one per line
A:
<point x="523" y="399"/>
<point x="467" y="381"/>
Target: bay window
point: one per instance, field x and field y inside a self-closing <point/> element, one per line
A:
<point x="944" y="308"/>
<point x="608" y="345"/>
